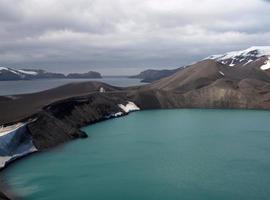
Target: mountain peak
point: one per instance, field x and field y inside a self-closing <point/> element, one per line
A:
<point x="242" y="57"/>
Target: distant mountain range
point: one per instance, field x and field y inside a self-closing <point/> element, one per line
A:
<point x="7" y="74"/>
<point x="235" y="59"/>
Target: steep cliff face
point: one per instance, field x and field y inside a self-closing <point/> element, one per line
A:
<point x="61" y="121"/>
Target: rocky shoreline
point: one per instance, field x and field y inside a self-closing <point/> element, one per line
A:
<point x="64" y="118"/>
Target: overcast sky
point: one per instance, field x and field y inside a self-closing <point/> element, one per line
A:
<point x="126" y="36"/>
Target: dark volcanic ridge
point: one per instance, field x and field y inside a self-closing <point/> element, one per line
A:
<point x="55" y="116"/>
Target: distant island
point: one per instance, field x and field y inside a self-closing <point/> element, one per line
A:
<point x="89" y="74"/>
<point x="11" y="74"/>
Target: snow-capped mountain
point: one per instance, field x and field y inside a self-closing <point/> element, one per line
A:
<point x="18" y="71"/>
<point x="244" y="57"/>
<point x="7" y="73"/>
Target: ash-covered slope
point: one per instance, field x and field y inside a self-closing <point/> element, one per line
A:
<point x="236" y="59"/>
<point x="206" y="72"/>
<point x="18" y="107"/>
<point x="211" y="84"/>
<point x="152" y="75"/>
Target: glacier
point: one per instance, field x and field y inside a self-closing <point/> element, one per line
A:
<point x="15" y="142"/>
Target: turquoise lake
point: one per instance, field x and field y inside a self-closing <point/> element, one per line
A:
<point x="155" y="155"/>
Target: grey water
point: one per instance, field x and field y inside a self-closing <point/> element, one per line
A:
<point x="31" y="86"/>
<point x="155" y="155"/>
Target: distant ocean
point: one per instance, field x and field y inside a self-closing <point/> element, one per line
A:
<point x="30" y="86"/>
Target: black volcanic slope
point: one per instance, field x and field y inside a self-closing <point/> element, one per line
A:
<point x="3" y="197"/>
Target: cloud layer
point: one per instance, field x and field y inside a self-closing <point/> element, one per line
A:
<point x="126" y="36"/>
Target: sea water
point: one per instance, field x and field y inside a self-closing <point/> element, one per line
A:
<point x="30" y="86"/>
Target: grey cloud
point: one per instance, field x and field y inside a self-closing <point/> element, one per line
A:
<point x="124" y="36"/>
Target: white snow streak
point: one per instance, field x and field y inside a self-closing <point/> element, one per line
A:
<point x="221" y="73"/>
<point x="8" y="129"/>
<point x="27" y="72"/>
<point x="129" y="107"/>
<point x="19" y="71"/>
<point x="266" y="65"/>
<point x="262" y="51"/>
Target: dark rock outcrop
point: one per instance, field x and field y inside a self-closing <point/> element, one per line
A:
<point x="3" y="196"/>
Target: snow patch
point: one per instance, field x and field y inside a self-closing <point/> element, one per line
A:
<point x="19" y="72"/>
<point x="8" y="129"/>
<point x="118" y="114"/>
<point x="13" y="71"/>
<point x="242" y="57"/>
<point x="27" y="72"/>
<point x="10" y="70"/>
<point x="129" y="107"/>
<point x="266" y="65"/>
<point x="221" y="73"/>
<point x="3" y="68"/>
<point x="260" y="51"/>
<point x="249" y="61"/>
<point x="6" y="159"/>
